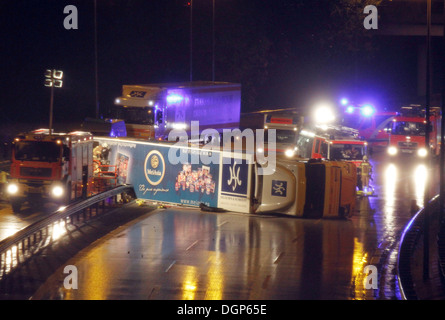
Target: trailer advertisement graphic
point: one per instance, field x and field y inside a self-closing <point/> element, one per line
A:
<point x="155" y="178"/>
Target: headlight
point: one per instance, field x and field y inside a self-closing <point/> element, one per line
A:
<point x="57" y="191"/>
<point x="289" y="153"/>
<point x="12" y="188"/>
<point x="392" y="151"/>
<point x="422" y="152"/>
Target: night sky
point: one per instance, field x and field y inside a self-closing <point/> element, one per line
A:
<point x="284" y="53"/>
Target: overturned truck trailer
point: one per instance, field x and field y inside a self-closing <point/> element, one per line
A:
<point x="183" y="175"/>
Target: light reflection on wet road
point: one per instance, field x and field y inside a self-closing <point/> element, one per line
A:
<point x="188" y="254"/>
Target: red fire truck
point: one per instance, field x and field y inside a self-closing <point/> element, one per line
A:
<point x="373" y="128"/>
<point x="407" y="132"/>
<point x="292" y="138"/>
<point x="55" y="167"/>
<point x="345" y="144"/>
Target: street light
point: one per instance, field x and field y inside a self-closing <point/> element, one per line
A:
<point x="53" y="79"/>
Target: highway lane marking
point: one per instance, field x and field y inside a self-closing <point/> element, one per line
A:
<point x="277" y="259"/>
<point x="192" y="245"/>
<point x="170" y="266"/>
<point x="222" y="223"/>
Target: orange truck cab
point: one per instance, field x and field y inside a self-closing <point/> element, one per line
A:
<point x="56" y="167"/>
<point x="407" y="132"/>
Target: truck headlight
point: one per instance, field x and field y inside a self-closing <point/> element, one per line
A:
<point x="289" y="153"/>
<point x="392" y="151"/>
<point x="57" y="191"/>
<point x="422" y="152"/>
<point x="12" y="188"/>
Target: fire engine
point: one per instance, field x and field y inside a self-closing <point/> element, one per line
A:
<point x="407" y="132"/>
<point x="293" y="139"/>
<point x="373" y="129"/>
<point x="55" y="167"/>
<point x="345" y="144"/>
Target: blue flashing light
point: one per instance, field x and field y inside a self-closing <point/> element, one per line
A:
<point x="350" y="109"/>
<point x="367" y="110"/>
<point x="344" y="101"/>
<point x="174" y="98"/>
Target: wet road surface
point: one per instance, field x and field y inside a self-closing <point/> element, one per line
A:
<point x="187" y="254"/>
<point x="11" y="222"/>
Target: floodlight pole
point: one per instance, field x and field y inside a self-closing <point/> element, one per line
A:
<point x="213" y="41"/>
<point x="95" y="59"/>
<point x="426" y="222"/>
<point x="51" y="78"/>
<point x="442" y="133"/>
<point x="191" y="40"/>
<point x="51" y="110"/>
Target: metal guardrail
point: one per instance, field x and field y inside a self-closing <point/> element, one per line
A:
<point x="17" y="248"/>
<point x="441" y="250"/>
<point x="410" y="237"/>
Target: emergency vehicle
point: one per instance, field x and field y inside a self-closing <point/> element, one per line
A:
<point x="346" y="144"/>
<point x="407" y="132"/>
<point x="293" y="139"/>
<point x="371" y="125"/>
<point x="373" y="128"/>
<point x="56" y="167"/>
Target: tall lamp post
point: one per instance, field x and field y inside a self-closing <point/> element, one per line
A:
<point x="53" y="79"/>
<point x="426" y="221"/>
<point x="191" y="40"/>
<point x="95" y="59"/>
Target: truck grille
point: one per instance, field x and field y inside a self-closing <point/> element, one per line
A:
<point x="407" y="144"/>
<point x="35" y="172"/>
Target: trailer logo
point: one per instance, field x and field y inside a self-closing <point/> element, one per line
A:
<point x="137" y="94"/>
<point x="234" y="177"/>
<point x="279" y="188"/>
<point x="154" y="167"/>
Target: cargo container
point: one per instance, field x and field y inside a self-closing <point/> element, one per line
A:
<point x="151" y="111"/>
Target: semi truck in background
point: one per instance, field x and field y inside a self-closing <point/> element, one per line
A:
<point x="151" y="111"/>
<point x="56" y="167"/>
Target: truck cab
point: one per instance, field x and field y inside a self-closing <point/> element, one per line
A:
<point x="50" y="167"/>
<point x="407" y="132"/>
<point x="348" y="150"/>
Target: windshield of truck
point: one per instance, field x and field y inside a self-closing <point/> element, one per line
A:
<point x="304" y="146"/>
<point x="346" y="151"/>
<point x="137" y="115"/>
<point x="408" y="128"/>
<point x="46" y="151"/>
<point x="286" y="136"/>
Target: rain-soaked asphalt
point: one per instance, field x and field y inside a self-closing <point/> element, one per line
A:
<point x="188" y="254"/>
